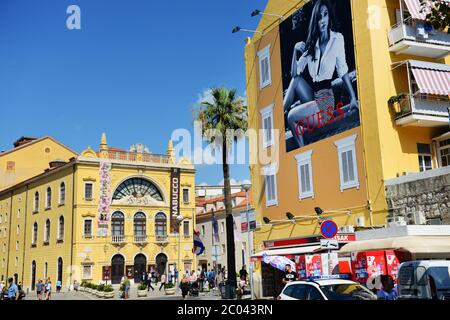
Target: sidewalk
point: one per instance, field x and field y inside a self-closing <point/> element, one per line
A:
<point x="151" y="295"/>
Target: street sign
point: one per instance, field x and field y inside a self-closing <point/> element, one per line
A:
<point x="329" y="229"/>
<point x="251" y="218"/>
<point x="329" y="244"/>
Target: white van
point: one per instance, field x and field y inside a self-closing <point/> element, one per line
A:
<point x="425" y="279"/>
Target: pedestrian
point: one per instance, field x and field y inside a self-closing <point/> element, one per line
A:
<point x="289" y="275"/>
<point x="149" y="282"/>
<point x="2" y="289"/>
<point x="48" y="289"/>
<point x="243" y="273"/>
<point x="193" y="277"/>
<point x="127" y="285"/>
<point x="58" y="286"/>
<point x="169" y="277"/>
<point x="185" y="286"/>
<point x="75" y="285"/>
<point x="176" y="276"/>
<point x="39" y="288"/>
<point x="163" y="281"/>
<point x="387" y="291"/>
<point x="13" y="290"/>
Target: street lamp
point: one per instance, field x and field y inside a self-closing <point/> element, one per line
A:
<point x="246" y="187"/>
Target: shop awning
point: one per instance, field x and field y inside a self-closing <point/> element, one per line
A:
<point x="432" y="78"/>
<point x="288" y="251"/>
<point x="413" y="244"/>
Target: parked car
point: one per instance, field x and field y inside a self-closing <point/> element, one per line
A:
<point x="424" y="280"/>
<point x="326" y="289"/>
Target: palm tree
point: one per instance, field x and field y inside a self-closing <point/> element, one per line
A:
<point x="226" y="111"/>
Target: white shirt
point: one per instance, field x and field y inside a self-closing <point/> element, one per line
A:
<point x="333" y="58"/>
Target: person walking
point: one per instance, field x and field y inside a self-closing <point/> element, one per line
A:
<point x="149" y="282"/>
<point x="163" y="281"/>
<point x="169" y="277"/>
<point x="387" y="291"/>
<point x="243" y="273"/>
<point x="39" y="288"/>
<point x="48" y="289"/>
<point x="2" y="289"/>
<point x="185" y="286"/>
<point x="13" y="290"/>
<point x="58" y="286"/>
<point x="126" y="285"/>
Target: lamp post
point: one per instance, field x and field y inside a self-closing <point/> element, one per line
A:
<point x="180" y="219"/>
<point x="246" y="187"/>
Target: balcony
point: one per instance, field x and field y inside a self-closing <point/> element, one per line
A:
<point x="140" y="239"/>
<point x="406" y="38"/>
<point x="118" y="239"/>
<point x="137" y="157"/>
<point x="161" y="238"/>
<point x="422" y="110"/>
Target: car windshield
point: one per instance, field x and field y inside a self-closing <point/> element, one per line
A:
<point x="347" y="291"/>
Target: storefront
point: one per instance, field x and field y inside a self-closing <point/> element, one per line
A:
<point x="306" y="253"/>
<point x="381" y="251"/>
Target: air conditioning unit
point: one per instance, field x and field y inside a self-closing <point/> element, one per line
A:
<point x="346" y="229"/>
<point x="396" y="221"/>
<point x="419" y="218"/>
<point x="434" y="222"/>
<point x="361" y="222"/>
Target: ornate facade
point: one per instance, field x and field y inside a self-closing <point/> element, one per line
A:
<point x="99" y="216"/>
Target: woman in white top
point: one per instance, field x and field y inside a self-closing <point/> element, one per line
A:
<point x="323" y="53"/>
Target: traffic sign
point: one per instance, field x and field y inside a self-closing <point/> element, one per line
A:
<point x="329" y="229"/>
<point x="329" y="244"/>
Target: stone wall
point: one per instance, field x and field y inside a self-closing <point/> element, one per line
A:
<point x="426" y="193"/>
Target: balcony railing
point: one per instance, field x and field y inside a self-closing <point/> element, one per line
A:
<point x="118" y="239"/>
<point x="427" y="110"/>
<point x="160" y="238"/>
<point x="405" y="38"/>
<point x="137" y="157"/>
<point x="140" y="239"/>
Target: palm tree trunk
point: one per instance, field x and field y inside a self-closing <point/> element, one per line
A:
<point x="231" y="263"/>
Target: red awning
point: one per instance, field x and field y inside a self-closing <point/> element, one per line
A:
<point x="432" y="78"/>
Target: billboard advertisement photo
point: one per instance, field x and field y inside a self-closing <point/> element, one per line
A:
<point x="320" y="96"/>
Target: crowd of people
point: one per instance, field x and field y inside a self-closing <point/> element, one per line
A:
<point x="11" y="292"/>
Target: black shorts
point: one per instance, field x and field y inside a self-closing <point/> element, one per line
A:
<point x="38" y="291"/>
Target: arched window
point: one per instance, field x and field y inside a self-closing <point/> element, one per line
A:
<point x="139" y="225"/>
<point x="48" y="199"/>
<point x="47" y="231"/>
<point x="117" y="224"/>
<point x="35" y="233"/>
<point x="62" y="193"/>
<point x="36" y="202"/>
<point x="160" y="225"/>
<point x="61" y="228"/>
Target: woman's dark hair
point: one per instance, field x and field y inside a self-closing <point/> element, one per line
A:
<point x="313" y="31"/>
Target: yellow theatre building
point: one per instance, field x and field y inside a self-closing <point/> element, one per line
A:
<point x="94" y="216"/>
<point x="351" y="95"/>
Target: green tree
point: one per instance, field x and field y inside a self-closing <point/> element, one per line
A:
<point x="439" y="13"/>
<point x="224" y="121"/>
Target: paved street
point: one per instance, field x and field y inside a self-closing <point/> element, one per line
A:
<point x="152" y="295"/>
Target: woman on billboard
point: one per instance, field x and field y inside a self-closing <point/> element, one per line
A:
<point x="312" y="106"/>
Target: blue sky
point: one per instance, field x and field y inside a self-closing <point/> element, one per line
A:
<point x="135" y="70"/>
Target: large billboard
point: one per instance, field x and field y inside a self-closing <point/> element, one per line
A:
<point x="319" y="73"/>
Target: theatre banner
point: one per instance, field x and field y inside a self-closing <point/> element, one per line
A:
<point x="174" y="199"/>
